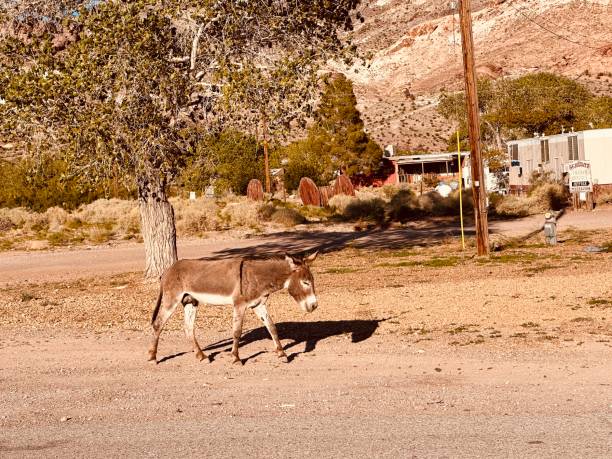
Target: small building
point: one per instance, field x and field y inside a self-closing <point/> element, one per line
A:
<point x="444" y="166"/>
<point x="412" y="168"/>
<point x="554" y="153"/>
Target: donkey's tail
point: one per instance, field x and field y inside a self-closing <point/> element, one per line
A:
<point x="159" y="299"/>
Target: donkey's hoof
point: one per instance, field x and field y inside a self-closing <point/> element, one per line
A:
<point x="283" y="358"/>
<point x="201" y="356"/>
<point x="152" y="358"/>
<point x="237" y="361"/>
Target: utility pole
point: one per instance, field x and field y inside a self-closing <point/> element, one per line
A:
<point x="479" y="190"/>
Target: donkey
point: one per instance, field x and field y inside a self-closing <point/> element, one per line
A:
<point x="241" y="282"/>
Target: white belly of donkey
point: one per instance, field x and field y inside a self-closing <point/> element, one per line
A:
<point x="212" y="298"/>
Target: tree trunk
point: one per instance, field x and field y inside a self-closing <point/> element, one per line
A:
<point x="157" y="227"/>
<point x="495" y="129"/>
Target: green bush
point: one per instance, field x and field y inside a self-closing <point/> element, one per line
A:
<point x="307" y="158"/>
<point x="228" y="160"/>
<point x="47" y="182"/>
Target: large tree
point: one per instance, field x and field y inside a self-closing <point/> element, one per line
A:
<point x="336" y="140"/>
<point x="124" y="84"/>
<point x="541" y="102"/>
<point x="339" y="121"/>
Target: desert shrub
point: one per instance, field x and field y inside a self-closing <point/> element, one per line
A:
<point x="365" y="206"/>
<point x="604" y="198"/>
<point x="45" y="182"/>
<point x="544" y="194"/>
<point x="339" y="202"/>
<point x="538" y="179"/>
<point x="547" y="196"/>
<point x="241" y="213"/>
<point x="365" y="209"/>
<point x="449" y="205"/>
<point x="265" y="212"/>
<point x="314" y="212"/>
<point x="388" y="191"/>
<point x="36" y="222"/>
<point x="403" y="206"/>
<point x="56" y="216"/>
<point x="106" y="210"/>
<point x="430" y="180"/>
<point x="428" y="201"/>
<point x="287" y="217"/>
<point x="197" y="216"/>
<point x="99" y="234"/>
<point x="512" y="206"/>
<point x="59" y="238"/>
<point x="5" y="224"/>
<point x="17" y="215"/>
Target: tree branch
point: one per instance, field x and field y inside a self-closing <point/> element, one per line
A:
<point x="194" y="47"/>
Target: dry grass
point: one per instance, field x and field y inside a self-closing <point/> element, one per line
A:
<point x="604" y="198"/>
<point x="548" y="196"/>
<point x="108" y="220"/>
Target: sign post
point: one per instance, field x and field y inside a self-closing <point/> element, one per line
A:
<point x="581" y="183"/>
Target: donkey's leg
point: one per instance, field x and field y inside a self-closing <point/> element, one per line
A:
<point x="262" y="313"/>
<point x="238" y="318"/>
<point x="167" y="309"/>
<point x="191" y="311"/>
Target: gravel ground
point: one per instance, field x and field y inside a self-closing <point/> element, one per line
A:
<point x="419" y="350"/>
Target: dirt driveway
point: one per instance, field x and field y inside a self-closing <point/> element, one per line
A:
<point x="417" y="350"/>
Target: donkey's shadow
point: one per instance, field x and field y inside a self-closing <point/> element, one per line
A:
<point x="305" y="332"/>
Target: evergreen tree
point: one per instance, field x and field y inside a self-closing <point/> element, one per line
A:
<point x="336" y="141"/>
<point x="339" y="123"/>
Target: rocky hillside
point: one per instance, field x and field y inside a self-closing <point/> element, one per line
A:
<point x="417" y="53"/>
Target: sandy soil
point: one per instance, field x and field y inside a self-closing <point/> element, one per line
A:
<point x="417" y="350"/>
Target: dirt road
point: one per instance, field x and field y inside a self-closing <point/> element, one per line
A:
<point x="69" y="395"/>
<point x="417" y="350"/>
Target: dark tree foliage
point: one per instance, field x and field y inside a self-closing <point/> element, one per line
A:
<point x="336" y="140"/>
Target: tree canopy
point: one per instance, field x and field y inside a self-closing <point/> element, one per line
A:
<point x="336" y="140"/>
<point x="541" y="102"/>
<point x="131" y="85"/>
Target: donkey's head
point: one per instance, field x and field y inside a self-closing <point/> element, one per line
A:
<point x="301" y="283"/>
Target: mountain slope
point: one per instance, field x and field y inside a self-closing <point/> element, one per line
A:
<point x="417" y="53"/>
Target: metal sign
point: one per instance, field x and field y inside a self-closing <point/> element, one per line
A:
<point x="580" y="176"/>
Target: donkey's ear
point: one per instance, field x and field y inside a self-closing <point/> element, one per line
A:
<point x="293" y="263"/>
<point x="312" y="257"/>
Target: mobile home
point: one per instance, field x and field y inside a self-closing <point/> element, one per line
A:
<point x="554" y="153"/>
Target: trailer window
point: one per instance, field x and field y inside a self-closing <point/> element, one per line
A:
<point x="513" y="152"/>
<point x="545" y="154"/>
<point x="572" y="147"/>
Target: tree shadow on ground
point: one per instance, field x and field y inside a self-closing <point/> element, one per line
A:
<point x="309" y="333"/>
<point x="331" y="241"/>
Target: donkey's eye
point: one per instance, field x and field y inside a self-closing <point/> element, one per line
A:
<point x="306" y="283"/>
